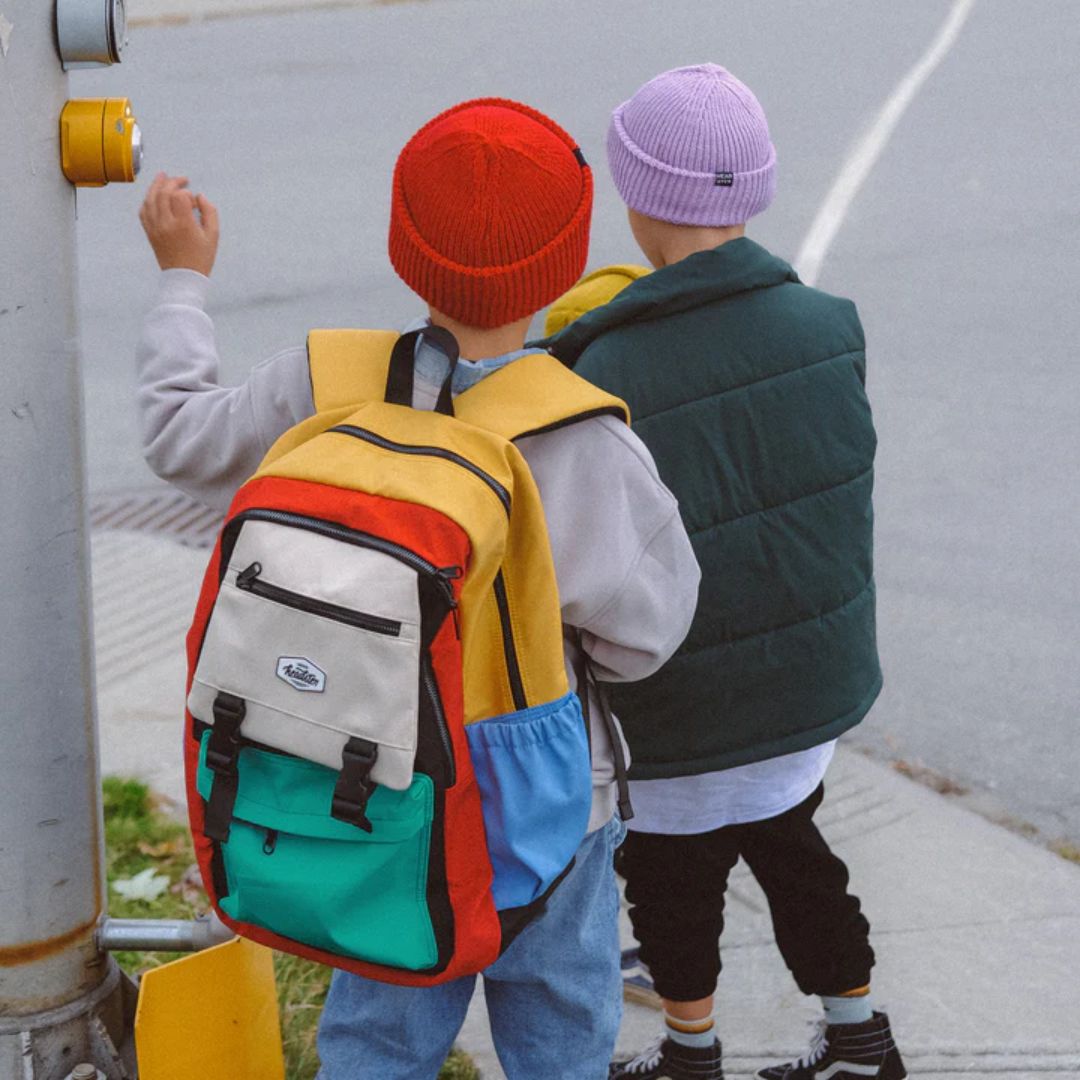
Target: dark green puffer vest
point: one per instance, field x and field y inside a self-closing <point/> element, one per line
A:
<point x="748" y="388"/>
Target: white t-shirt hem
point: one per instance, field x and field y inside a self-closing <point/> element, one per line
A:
<point x="686" y="805"/>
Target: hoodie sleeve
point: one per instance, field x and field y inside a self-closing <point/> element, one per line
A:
<point x="205" y="438"/>
<point x="627" y="575"/>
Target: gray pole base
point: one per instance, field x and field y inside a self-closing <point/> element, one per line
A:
<point x="96" y="1028"/>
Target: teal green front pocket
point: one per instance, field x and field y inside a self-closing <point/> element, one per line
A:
<point x="293" y="869"/>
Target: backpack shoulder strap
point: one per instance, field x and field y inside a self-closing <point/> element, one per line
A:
<point x="348" y="367"/>
<point x="532" y="395"/>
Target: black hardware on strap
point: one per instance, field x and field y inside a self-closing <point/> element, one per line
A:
<point x="581" y="674"/>
<point x="222" y="756"/>
<point x="399" y="378"/>
<point x="354" y="786"/>
<point x="587" y="681"/>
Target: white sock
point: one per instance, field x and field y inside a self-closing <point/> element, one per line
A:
<point x="848" y="1008"/>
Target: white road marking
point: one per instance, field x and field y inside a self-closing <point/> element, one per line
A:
<point x="864" y="156"/>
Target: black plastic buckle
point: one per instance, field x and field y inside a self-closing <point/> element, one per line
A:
<point x="222" y="758"/>
<point x="223" y="762"/>
<point x="229" y="710"/>
<point x="223" y="746"/>
<point x="354" y="787"/>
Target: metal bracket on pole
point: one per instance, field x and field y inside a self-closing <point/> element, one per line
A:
<point x="162" y="935"/>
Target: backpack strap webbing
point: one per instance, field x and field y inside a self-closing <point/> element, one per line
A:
<point x="532" y="395"/>
<point x="348" y="367"/>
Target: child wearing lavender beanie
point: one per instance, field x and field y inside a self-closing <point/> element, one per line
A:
<point x="748" y="387"/>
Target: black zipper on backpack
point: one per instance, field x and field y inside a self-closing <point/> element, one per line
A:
<point x="427" y="451"/>
<point x="513" y="668"/>
<point x="427" y="676"/>
<point x="441" y="576"/>
<point x="248" y="581"/>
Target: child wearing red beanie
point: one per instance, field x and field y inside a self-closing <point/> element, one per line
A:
<point x="489" y="223"/>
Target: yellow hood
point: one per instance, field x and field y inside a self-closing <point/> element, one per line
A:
<point x="590" y="292"/>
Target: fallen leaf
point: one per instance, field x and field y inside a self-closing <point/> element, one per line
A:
<point x="146" y="885"/>
<point x="162" y="850"/>
<point x="189" y="888"/>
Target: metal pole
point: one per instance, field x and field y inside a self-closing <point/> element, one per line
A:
<point x="60" y="997"/>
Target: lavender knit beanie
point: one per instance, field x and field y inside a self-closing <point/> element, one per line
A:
<point x="692" y="147"/>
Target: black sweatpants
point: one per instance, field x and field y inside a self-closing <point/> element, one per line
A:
<point x="675" y="886"/>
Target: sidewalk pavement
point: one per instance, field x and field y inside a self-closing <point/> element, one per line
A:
<point x="151" y="12"/>
<point x="977" y="930"/>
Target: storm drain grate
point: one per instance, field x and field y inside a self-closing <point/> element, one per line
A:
<point x="159" y="512"/>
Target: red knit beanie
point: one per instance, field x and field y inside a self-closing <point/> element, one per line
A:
<point x="490" y="213"/>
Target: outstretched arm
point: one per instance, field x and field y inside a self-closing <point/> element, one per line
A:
<point x="205" y="438"/>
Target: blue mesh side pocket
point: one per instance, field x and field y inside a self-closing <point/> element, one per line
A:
<point x="535" y="780"/>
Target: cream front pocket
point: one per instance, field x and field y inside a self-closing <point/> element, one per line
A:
<point x="321" y="639"/>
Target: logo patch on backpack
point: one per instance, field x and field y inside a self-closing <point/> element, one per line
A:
<point x="301" y="674"/>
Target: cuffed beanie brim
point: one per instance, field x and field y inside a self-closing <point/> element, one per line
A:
<point x="681" y="196"/>
<point x="489" y="296"/>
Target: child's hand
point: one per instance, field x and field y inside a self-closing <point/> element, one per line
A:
<point x="182" y="228"/>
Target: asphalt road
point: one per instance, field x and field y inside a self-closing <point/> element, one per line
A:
<point x="961" y="251"/>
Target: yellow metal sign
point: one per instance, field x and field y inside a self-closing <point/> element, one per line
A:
<point x="212" y="1015"/>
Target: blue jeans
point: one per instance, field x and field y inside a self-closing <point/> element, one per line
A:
<point x="554" y="997"/>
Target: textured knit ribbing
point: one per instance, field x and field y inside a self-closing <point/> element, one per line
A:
<point x="491" y="211"/>
<point x="692" y="147"/>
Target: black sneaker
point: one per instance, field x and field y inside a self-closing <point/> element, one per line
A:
<point x="846" y="1052"/>
<point x="671" y="1061"/>
<point x="637" y="984"/>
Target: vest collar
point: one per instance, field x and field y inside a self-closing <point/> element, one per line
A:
<point x="706" y="276"/>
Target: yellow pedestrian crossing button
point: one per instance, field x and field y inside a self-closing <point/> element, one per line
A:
<point x="100" y="141"/>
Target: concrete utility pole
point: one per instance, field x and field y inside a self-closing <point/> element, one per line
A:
<point x="61" y="999"/>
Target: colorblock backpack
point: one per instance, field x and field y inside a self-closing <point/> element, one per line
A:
<point x="386" y="770"/>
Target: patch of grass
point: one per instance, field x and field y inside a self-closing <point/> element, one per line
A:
<point x="459" y="1066"/>
<point x="138" y="834"/>
<point x="1066" y="851"/>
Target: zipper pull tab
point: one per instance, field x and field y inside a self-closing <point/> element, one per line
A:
<point x="446" y="575"/>
<point x="270" y="843"/>
<point x="246" y="577"/>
